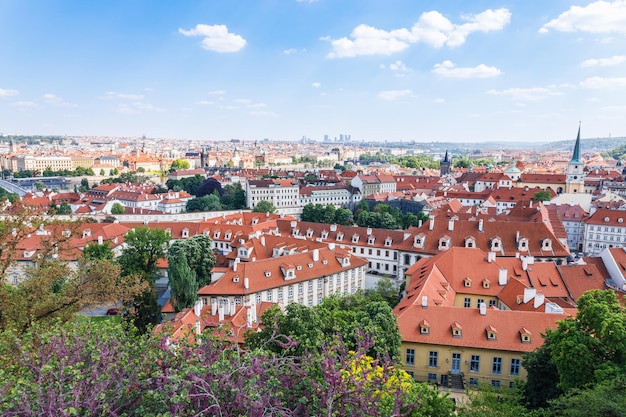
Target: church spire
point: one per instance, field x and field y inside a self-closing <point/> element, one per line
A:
<point x="445" y="158"/>
<point x="576" y="154"/>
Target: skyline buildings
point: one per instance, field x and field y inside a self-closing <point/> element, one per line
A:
<point x="381" y="71"/>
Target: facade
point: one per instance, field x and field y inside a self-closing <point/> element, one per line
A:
<point x="573" y="218"/>
<point x="40" y="163"/>
<point x="372" y="184"/>
<point x="339" y="196"/>
<point x="281" y="193"/>
<point x="604" y="229"/>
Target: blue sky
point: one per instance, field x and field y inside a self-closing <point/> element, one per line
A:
<point x="284" y="69"/>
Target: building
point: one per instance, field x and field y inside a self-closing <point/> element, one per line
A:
<point x="282" y="193"/>
<point x="575" y="181"/>
<point x="604" y="229"/>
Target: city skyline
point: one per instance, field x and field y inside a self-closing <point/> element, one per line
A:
<point x="397" y="70"/>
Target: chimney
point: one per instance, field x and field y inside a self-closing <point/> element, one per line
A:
<point x="491" y="256"/>
<point x="503" y="276"/>
<point x="214" y="308"/>
<point x="246" y="283"/>
<point x="249" y="317"/>
<point x="480" y="225"/>
<point x="425" y="301"/>
<point x="451" y="225"/>
<point x="483" y="309"/>
<point x="262" y="240"/>
<point x="529" y="294"/>
<point x="517" y="236"/>
<point x="198" y="330"/>
<point x="419" y="223"/>
<point x="235" y="265"/>
<point x="333" y="227"/>
<point x="369" y="231"/>
<point x="99" y="240"/>
<point x="539" y="299"/>
<point x="331" y="246"/>
<point x="220" y="312"/>
<point x="294" y="224"/>
<point x="431" y="225"/>
<point x="197" y="307"/>
<point x="524" y="263"/>
<point x="316" y="255"/>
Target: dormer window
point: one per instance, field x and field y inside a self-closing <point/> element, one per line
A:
<point x="236" y="279"/>
<point x="324" y="234"/>
<point x="457" y="329"/>
<point x="370" y="240"/>
<point x="339" y="237"/>
<point x="268" y="274"/>
<point x="185" y="233"/>
<point x="524" y="335"/>
<point x="467" y="282"/>
<point x="288" y="271"/>
<point x="418" y="241"/>
<point x="424" y="327"/>
<point x="486" y="283"/>
<point x="491" y="332"/>
<point x="444" y="243"/>
<point x="522" y="244"/>
<point x="470" y="242"/>
<point x="299" y="267"/>
<point x="168" y="231"/>
<point x="310" y="265"/>
<point x="227" y="235"/>
<point x="388" y="241"/>
<point x="324" y="262"/>
<point x="309" y="233"/>
<point x="355" y="238"/>
<point x="216" y="234"/>
<point x="496" y="244"/>
<point x="243" y="253"/>
<point x="546" y="244"/>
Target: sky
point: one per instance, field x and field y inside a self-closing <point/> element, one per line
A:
<point x="395" y="70"/>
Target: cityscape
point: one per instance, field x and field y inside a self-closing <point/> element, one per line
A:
<point x="306" y="209"/>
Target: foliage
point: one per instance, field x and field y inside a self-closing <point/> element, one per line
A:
<point x="376" y="220"/>
<point x="264" y="206"/>
<point x="406" y="161"/>
<point x="608" y="398"/>
<point x="541" y="383"/>
<point x="386" y="291"/>
<point x="543" y="195"/>
<point x="317" y="213"/>
<point x="144" y="247"/>
<point x="488" y="401"/>
<point x="209" y="202"/>
<point x="208" y="187"/>
<point x="182" y="280"/>
<point x="125" y="177"/>
<point x="179" y="164"/>
<point x="117" y="208"/>
<point x="348" y="316"/>
<point x="198" y="254"/>
<point x="187" y="184"/>
<point x="618" y="152"/>
<point x="99" y="368"/>
<point x="94" y="251"/>
<point x="233" y="197"/>
<point x="55" y="291"/>
<point x="78" y="172"/>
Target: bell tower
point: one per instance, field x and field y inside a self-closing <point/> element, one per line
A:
<point x="575" y="180"/>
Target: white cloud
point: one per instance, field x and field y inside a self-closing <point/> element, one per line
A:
<point x="216" y="38"/>
<point x="26" y="104"/>
<point x="432" y="28"/>
<point x="8" y="93"/>
<point x="447" y="69"/>
<point x="597" y="17"/>
<point x="399" y="68"/>
<point x="137" y="108"/>
<point x="263" y="113"/>
<point x="57" y="101"/>
<point x="604" y="62"/>
<point x="440" y="100"/>
<point x="204" y="102"/>
<point x="292" y="51"/>
<point x="526" y="94"/>
<point x="243" y="101"/>
<point x="316" y="85"/>
<point x="601" y="82"/>
<point x="391" y="95"/>
<point x="217" y="92"/>
<point x="114" y="95"/>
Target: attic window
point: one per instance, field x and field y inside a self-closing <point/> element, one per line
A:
<point x="524" y="335"/>
<point x="546" y="244"/>
<point x="236" y="279"/>
<point x="339" y="237"/>
<point x="606" y="219"/>
<point x="456" y="329"/>
<point x="496" y="243"/>
<point x="355" y="238"/>
<point x="424" y="327"/>
<point x="309" y="233"/>
<point x="299" y="267"/>
<point x="216" y="234"/>
<point x="467" y="282"/>
<point x="324" y="262"/>
<point x="470" y="242"/>
<point x="523" y="244"/>
<point x="491" y="333"/>
<point x="486" y="283"/>
<point x="370" y="240"/>
<point x="388" y="241"/>
<point x="185" y="232"/>
<point x="620" y="220"/>
<point x="310" y="265"/>
<point x="227" y="235"/>
<point x="268" y="274"/>
<point x="324" y="234"/>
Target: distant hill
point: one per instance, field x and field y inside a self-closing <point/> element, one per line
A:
<point x="587" y="145"/>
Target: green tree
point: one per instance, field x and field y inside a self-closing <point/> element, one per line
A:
<point x="178" y="164"/>
<point x="264" y="206"/>
<point x="98" y="251"/>
<point x="182" y="280"/>
<point x="233" y="197"/>
<point x="209" y="202"/>
<point x="488" y="401"/>
<point x="141" y="170"/>
<point x="385" y="290"/>
<point x="39" y="186"/>
<point x="64" y="208"/>
<point x="198" y="253"/>
<point x="608" y="398"/>
<point x="343" y="217"/>
<point x="117" y="208"/>
<point x="102" y="172"/>
<point x="543" y="195"/>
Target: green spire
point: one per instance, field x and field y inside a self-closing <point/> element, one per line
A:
<point x="576" y="154"/>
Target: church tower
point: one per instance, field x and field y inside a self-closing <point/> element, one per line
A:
<point x="575" y="180"/>
<point x="444" y="166"/>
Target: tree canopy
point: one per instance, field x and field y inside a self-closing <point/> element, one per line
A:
<point x="264" y="206"/>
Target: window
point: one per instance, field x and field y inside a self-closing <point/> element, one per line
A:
<point x="432" y="378"/>
<point x="511" y="384"/>
<point x="467" y="302"/>
<point x="291" y="290"/>
<point x="492" y="303"/>
<point x="473" y="382"/>
<point x="300" y="288"/>
<point x="479" y="302"/>
<point x="258" y="298"/>
<point x="410" y="357"/>
<point x="474" y="363"/>
<point x="280" y="293"/>
<point x="433" y="359"/>
<point x="496" y="366"/>
<point x="515" y="365"/>
<point x="495" y="383"/>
